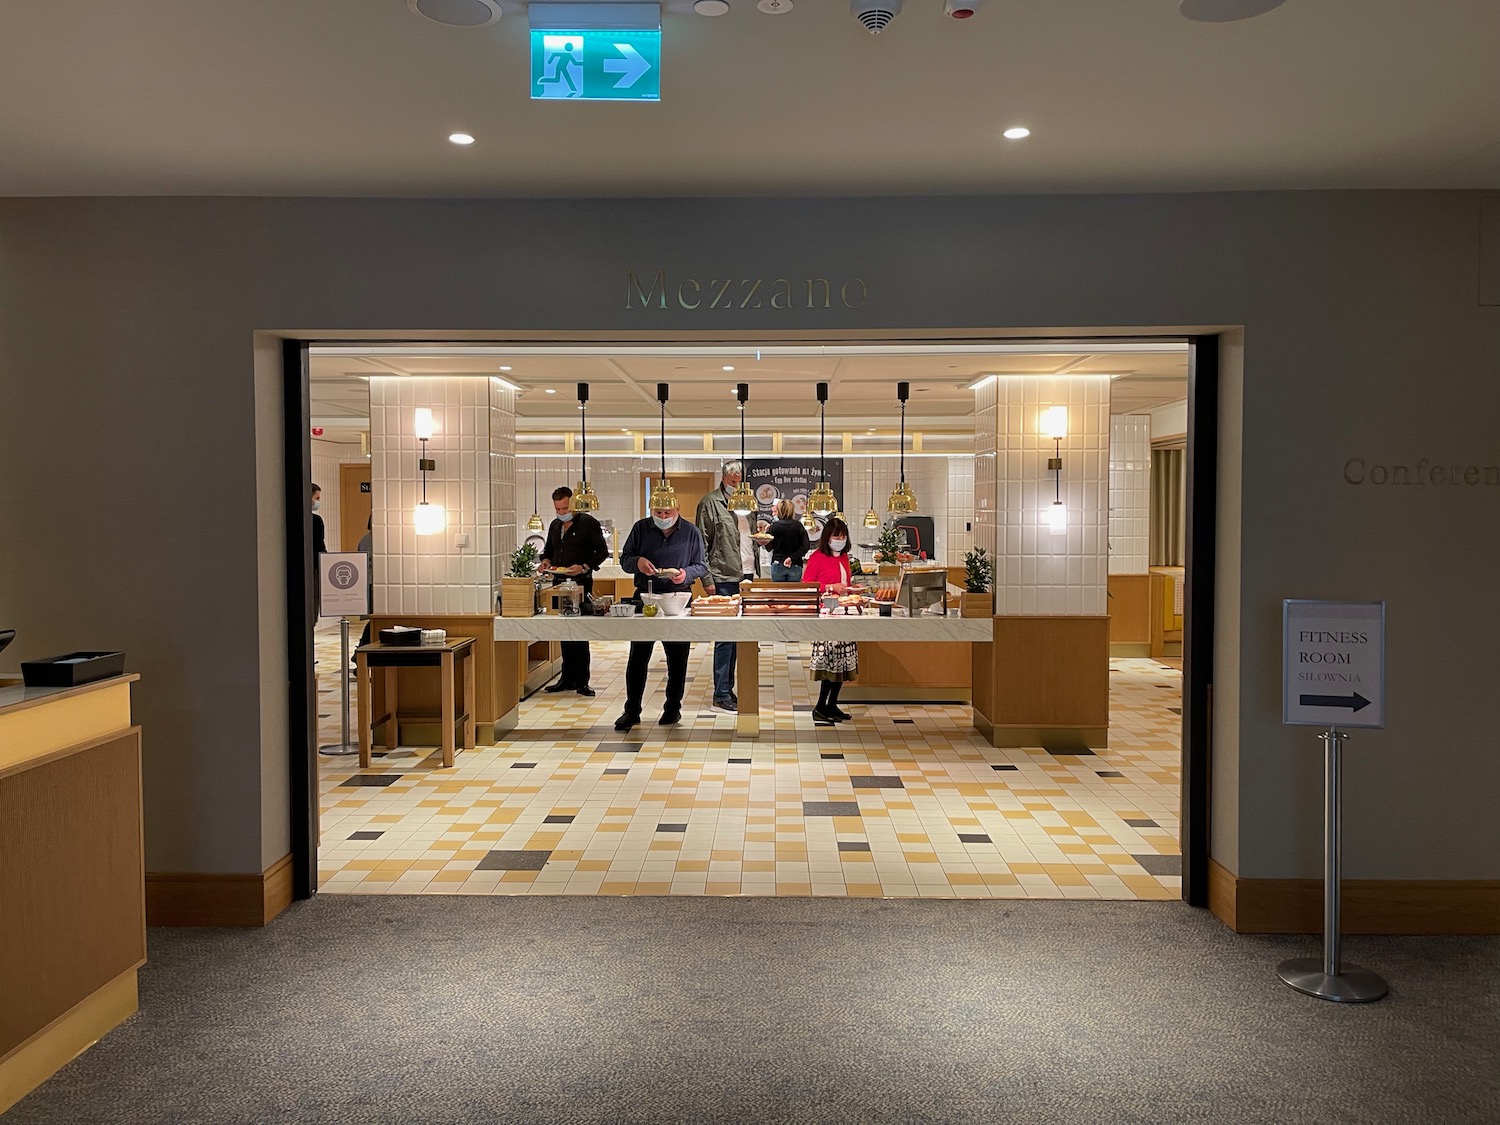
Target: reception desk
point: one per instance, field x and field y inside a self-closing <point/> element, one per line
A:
<point x="72" y="882"/>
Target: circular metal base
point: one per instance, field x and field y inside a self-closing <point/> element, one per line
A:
<point x="338" y="750"/>
<point x="1352" y="986"/>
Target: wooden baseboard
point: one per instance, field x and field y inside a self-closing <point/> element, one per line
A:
<point x="1369" y="906"/>
<point x="230" y="899"/>
<point x="26" y="1067"/>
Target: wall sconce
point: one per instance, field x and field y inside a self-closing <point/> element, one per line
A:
<point x="1054" y="424"/>
<point x="584" y="498"/>
<point x="741" y="500"/>
<point x="427" y="519"/>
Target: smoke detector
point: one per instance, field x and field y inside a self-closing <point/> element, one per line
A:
<point x="466" y="14"/>
<point x="961" y="9"/>
<point x="775" y="7"/>
<point x="712" y="7"/>
<point x="875" y="15"/>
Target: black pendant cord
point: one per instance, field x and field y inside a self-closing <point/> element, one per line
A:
<point x="742" y="441"/>
<point x="534" y="506"/>
<point x="903" y="441"/>
<point x="583" y="429"/>
<point x="664" y="441"/>
<point x="822" y="467"/>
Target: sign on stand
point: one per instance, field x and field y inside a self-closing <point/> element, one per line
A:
<point x="1333" y="667"/>
<point x="345" y="582"/>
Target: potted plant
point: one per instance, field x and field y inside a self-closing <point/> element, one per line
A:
<point x="888" y="550"/>
<point x="979" y="576"/>
<point x="518" y="591"/>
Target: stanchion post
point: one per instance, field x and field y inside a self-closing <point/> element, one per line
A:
<point x="1330" y="978"/>
<point x="344" y="747"/>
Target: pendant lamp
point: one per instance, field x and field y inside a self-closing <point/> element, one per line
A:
<point x="741" y="501"/>
<point x="584" y="499"/>
<point x="822" y="500"/>
<point x="872" y="518"/>
<point x="902" y="501"/>
<point x="663" y="495"/>
<point x="535" y="522"/>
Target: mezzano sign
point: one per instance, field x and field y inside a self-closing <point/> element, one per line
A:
<point x="660" y="292"/>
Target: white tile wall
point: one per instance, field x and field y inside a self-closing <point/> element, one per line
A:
<point x="1129" y="493"/>
<point x="1038" y="572"/>
<point x="434" y="574"/>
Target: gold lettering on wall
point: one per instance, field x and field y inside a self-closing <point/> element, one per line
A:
<point x="742" y="293"/>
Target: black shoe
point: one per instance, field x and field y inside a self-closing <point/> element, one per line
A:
<point x="559" y="686"/>
<point x="734" y="701"/>
<point x="823" y="718"/>
<point x="724" y="706"/>
<point x="839" y="716"/>
<point x="627" y="720"/>
<point x="586" y="690"/>
<point x="671" y="717"/>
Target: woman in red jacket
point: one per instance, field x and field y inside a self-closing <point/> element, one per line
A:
<point x="833" y="662"/>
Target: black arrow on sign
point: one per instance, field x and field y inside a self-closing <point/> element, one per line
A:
<point x="1354" y="702"/>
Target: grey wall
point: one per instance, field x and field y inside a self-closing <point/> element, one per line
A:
<point x="128" y="461"/>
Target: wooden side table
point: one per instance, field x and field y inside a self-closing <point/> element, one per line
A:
<point x="452" y="658"/>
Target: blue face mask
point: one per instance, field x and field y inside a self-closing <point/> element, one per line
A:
<point x="566" y="517"/>
<point x="664" y="524"/>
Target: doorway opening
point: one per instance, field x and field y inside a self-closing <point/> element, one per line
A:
<point x="695" y="809"/>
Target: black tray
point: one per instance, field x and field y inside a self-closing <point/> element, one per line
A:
<point x="72" y="669"/>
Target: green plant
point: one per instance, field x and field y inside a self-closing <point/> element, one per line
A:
<point x="523" y="561"/>
<point x="855" y="567"/>
<point x="888" y="546"/>
<point x="979" y="571"/>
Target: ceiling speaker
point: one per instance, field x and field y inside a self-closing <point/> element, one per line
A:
<point x="458" y="13"/>
<point x="875" y="15"/>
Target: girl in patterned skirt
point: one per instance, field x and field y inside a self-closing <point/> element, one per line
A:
<point x="833" y="662"/>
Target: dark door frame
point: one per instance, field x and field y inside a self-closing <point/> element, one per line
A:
<point x="1198" y="617"/>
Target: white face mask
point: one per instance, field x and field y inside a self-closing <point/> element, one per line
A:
<point x="837" y="545"/>
<point x="664" y="524"/>
<point x="317" y="504"/>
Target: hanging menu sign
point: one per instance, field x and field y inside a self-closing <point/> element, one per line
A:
<point x="772" y="479"/>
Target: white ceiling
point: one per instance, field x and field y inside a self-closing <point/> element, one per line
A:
<point x="862" y="387"/>
<point x="335" y="97"/>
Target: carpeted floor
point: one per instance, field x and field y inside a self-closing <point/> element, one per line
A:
<point x="528" y="1009"/>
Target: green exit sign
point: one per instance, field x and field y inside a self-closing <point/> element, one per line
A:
<point x="596" y="65"/>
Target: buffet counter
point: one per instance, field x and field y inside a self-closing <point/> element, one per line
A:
<point x="748" y="632"/>
<point x="72" y="882"/>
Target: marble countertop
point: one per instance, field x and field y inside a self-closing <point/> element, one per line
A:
<point x="551" y="627"/>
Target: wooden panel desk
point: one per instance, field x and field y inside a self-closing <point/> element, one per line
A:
<point x="453" y="659"/>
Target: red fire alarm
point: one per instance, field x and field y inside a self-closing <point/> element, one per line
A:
<point x="317" y="431"/>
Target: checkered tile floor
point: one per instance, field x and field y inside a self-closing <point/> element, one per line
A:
<point x="905" y="801"/>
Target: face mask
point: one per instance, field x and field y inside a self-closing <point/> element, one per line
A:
<point x="664" y="524"/>
<point x="566" y="517"/>
<point x="837" y="545"/>
<point x="317" y="504"/>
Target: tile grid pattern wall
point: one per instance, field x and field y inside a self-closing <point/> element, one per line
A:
<point x="503" y="536"/>
<point x="986" y="496"/>
<point x="432" y="574"/>
<point x="1129" y="493"/>
<point x="1040" y="572"/>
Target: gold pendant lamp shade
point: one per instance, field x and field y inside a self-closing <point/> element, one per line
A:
<point x="584" y="499"/>
<point x="663" y="495"/>
<point x="821" y="500"/>
<point x="535" y="522"/>
<point x="872" y="517"/>
<point x="741" y="500"/>
<point x="902" y="502"/>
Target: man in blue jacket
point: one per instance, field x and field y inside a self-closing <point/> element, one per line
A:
<point x="665" y="553"/>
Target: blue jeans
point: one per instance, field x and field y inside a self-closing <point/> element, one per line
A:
<point x="781" y="573"/>
<point x="724" y="653"/>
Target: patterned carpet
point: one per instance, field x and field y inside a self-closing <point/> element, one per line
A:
<point x="905" y="801"/>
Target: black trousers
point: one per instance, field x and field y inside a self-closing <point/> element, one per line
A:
<point x="576" y="655"/>
<point x="640" y="660"/>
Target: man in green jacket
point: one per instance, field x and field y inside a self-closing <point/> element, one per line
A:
<point x="731" y="560"/>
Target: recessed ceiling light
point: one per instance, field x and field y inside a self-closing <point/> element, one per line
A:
<point x="1225" y="11"/>
<point x="623" y="430"/>
<point x="461" y="138"/>
<point x="463" y="14"/>
<point x="504" y="367"/>
<point x="1017" y="133"/>
<point x="711" y="7"/>
<point x="551" y="390"/>
<point x="728" y="367"/>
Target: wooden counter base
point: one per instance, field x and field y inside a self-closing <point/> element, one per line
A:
<point x="67" y="1037"/>
<point x="1044" y="681"/>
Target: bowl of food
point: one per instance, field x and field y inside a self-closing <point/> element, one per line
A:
<point x="669" y="605"/>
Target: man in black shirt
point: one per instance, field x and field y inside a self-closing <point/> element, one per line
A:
<point x="575" y="548"/>
<point x="665" y="553"/>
